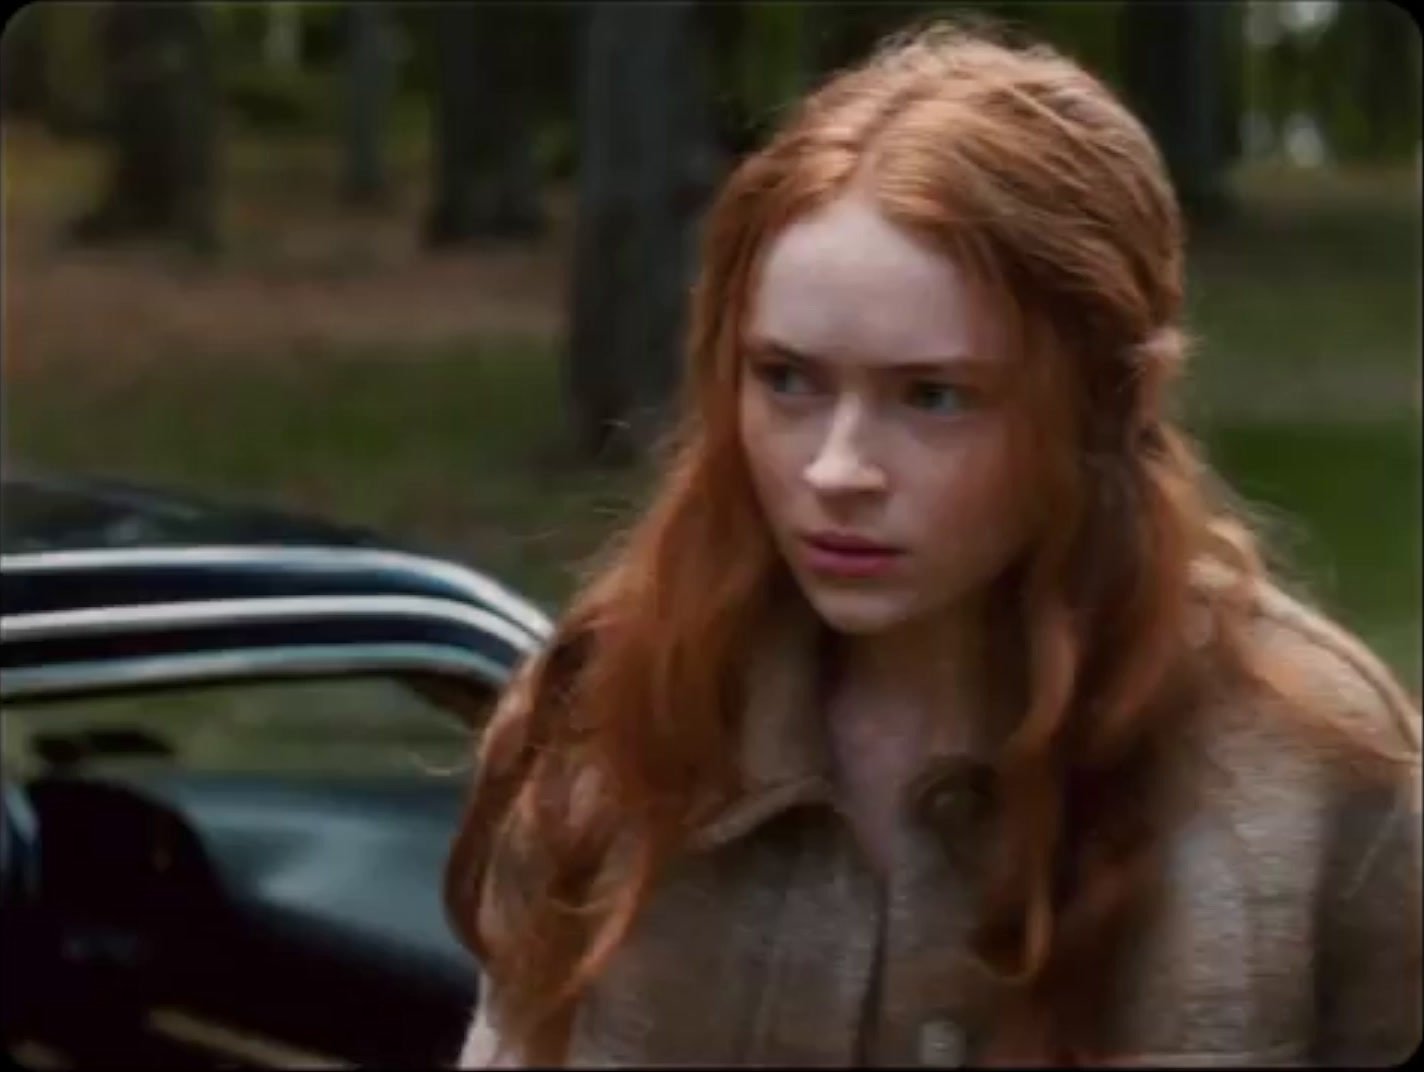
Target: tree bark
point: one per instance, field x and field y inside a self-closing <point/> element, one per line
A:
<point x="24" y="82"/>
<point x="282" y="37"/>
<point x="368" y="92"/>
<point x="1175" y="69"/>
<point x="1390" y="93"/>
<point x="646" y="165"/>
<point x="162" y="126"/>
<point x="486" y="179"/>
<point x="75" y="97"/>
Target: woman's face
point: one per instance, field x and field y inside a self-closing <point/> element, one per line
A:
<point x="874" y="412"/>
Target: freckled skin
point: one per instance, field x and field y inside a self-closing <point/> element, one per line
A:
<point x="851" y="447"/>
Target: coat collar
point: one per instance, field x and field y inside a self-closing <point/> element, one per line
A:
<point x="785" y="757"/>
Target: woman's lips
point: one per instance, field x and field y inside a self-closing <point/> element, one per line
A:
<point x="845" y="557"/>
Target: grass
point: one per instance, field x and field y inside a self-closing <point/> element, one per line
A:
<point x="1309" y="299"/>
<point x="1304" y="389"/>
<point x="1340" y="507"/>
<point x="455" y="450"/>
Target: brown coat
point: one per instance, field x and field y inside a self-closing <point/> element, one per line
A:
<point x="1291" y="932"/>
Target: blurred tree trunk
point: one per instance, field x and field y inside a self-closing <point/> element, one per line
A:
<point x="1364" y="82"/>
<point x="1231" y="93"/>
<point x="1087" y="31"/>
<point x="282" y="37"/>
<point x="368" y="92"/>
<point x="486" y="179"/>
<point x="1175" y="65"/>
<point x="162" y="96"/>
<point x="1391" y="77"/>
<point x="762" y="60"/>
<point x="646" y="164"/>
<point x="75" y="98"/>
<point x="844" y="34"/>
<point x="24" y="81"/>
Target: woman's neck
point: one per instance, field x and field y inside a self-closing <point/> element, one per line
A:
<point x="891" y="697"/>
<point x="926" y="665"/>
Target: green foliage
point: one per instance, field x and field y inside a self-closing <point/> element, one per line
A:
<point x="242" y="25"/>
<point x="416" y="73"/>
<point x="22" y="61"/>
<point x="324" y="31"/>
<point x="237" y="30"/>
<point x="279" y="101"/>
<point x="555" y="149"/>
<point x="771" y="62"/>
<point x="275" y="98"/>
<point x="1088" y="31"/>
<point x="1375" y="113"/>
<point x="1358" y="76"/>
<point x="843" y="34"/>
<point x="75" y="66"/>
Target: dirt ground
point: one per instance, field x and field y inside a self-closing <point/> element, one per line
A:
<point x="297" y="271"/>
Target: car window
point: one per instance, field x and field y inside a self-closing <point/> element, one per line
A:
<point x="335" y="727"/>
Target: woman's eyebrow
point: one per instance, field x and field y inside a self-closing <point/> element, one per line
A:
<point x="933" y="366"/>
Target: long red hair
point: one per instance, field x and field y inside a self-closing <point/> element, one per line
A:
<point x="614" y="742"/>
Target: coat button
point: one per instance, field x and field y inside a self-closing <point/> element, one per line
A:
<point x="959" y="798"/>
<point x="942" y="1045"/>
<point x="952" y="808"/>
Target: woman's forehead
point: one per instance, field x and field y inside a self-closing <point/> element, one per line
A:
<point x="846" y="282"/>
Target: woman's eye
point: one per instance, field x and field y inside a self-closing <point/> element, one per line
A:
<point x="938" y="398"/>
<point x="784" y="379"/>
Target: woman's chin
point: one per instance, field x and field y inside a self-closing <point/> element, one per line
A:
<point x="859" y="613"/>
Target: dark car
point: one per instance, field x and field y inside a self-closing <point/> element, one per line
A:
<point x="235" y="750"/>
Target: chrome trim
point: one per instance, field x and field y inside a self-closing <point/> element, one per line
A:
<point x="236" y="1040"/>
<point x="107" y="620"/>
<point x="25" y="683"/>
<point x="479" y="587"/>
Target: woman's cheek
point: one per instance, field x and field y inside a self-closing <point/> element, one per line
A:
<point x="785" y="449"/>
<point x="771" y="451"/>
<point x="974" y="481"/>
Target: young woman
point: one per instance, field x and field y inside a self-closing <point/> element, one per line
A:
<point x="934" y="712"/>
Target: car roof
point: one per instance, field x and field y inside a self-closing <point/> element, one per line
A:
<point x="42" y="511"/>
<point x="110" y="584"/>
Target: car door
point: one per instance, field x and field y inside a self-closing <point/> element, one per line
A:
<point x="246" y="768"/>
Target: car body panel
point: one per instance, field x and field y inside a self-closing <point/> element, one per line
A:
<point x="46" y="511"/>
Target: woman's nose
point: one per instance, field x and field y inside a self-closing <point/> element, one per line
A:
<point x="842" y="465"/>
